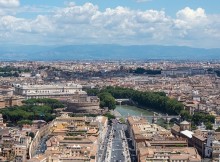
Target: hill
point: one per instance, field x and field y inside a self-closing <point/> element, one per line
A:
<point x="102" y="52"/>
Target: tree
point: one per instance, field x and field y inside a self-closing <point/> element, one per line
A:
<point x="154" y="100"/>
<point x="107" y="100"/>
<point x="16" y="74"/>
<point x="34" y="109"/>
<point x="22" y="122"/>
<point x="209" y="126"/>
<point x="31" y="134"/>
<point x="93" y="92"/>
<point x="218" y="129"/>
<point x="199" y="117"/>
<point x="185" y="115"/>
<point x="139" y="70"/>
<point x="109" y="116"/>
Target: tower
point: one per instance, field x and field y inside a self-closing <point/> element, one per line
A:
<point x="185" y="126"/>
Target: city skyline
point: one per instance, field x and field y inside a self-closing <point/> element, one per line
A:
<point x="132" y="22"/>
<point x="109" y="81"/>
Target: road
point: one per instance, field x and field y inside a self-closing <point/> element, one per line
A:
<point x="42" y="146"/>
<point x="119" y="149"/>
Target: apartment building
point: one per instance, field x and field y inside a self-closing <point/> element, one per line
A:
<point x="151" y="136"/>
<point x="176" y="154"/>
<point x="74" y="139"/>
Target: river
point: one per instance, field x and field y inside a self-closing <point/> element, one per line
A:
<point x="126" y="110"/>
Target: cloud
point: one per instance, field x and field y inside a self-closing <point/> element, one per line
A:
<point x="9" y="7"/>
<point x="192" y="24"/>
<point x="9" y="3"/>
<point x="190" y="14"/>
<point x="84" y="24"/>
<point x="76" y="14"/>
<point x="13" y="24"/>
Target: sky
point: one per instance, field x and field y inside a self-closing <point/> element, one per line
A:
<point x="194" y="23"/>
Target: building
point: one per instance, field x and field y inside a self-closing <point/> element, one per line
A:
<point x="20" y="153"/>
<point x="2" y="124"/>
<point x="216" y="150"/>
<point x="83" y="104"/>
<point x="74" y="139"/>
<point x="135" y="122"/>
<point x="48" y="91"/>
<point x="154" y="143"/>
<point x="144" y="134"/>
<point x="177" y="154"/>
<point x="8" y="101"/>
<point x="198" y="139"/>
<point x="14" y="145"/>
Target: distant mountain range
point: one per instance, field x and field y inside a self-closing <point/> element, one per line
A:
<point x="102" y="52"/>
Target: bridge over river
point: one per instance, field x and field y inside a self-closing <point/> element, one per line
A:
<point x="122" y="100"/>
<point x="125" y="111"/>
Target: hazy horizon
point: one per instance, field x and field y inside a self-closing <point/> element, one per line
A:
<point x="106" y="52"/>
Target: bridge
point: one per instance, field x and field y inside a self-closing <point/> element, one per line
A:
<point x="166" y="117"/>
<point x="122" y="100"/>
<point x="157" y="116"/>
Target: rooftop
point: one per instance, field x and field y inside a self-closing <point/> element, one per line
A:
<point x="187" y="133"/>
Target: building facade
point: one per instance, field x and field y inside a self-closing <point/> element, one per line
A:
<point x="48" y="91"/>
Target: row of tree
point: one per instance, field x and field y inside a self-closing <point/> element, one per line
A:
<point x="9" y="71"/>
<point x="13" y="69"/>
<point x="154" y="100"/>
<point x="9" y="74"/>
<point x="157" y="101"/>
<point x="140" y="70"/>
<point x="53" y="103"/>
<point x="217" y="73"/>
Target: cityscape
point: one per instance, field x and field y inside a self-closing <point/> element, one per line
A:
<point x="110" y="111"/>
<point x="109" y="81"/>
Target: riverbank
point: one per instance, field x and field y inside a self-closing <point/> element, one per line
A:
<point x="133" y="104"/>
<point x="115" y="113"/>
<point x="125" y="110"/>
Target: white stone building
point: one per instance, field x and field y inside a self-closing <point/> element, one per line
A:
<point x="48" y="91"/>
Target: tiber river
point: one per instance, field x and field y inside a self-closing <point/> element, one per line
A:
<point x="126" y="110"/>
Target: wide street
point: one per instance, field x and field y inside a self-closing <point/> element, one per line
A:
<point x="42" y="145"/>
<point x="118" y="145"/>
